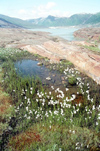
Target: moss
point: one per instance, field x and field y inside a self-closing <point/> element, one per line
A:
<point x="72" y="80"/>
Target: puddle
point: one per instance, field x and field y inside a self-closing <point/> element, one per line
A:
<point x="31" y="68"/>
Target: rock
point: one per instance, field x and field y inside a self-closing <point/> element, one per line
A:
<point x="39" y="63"/>
<point x="63" y="82"/>
<point x="48" y="78"/>
<point x="88" y="33"/>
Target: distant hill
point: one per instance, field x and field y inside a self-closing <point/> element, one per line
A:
<point x="51" y="21"/>
<point x="14" y="22"/>
<point x="6" y="24"/>
<point x="74" y="20"/>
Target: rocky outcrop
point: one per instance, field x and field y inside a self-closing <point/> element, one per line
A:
<point x="43" y="44"/>
<point x="88" y="34"/>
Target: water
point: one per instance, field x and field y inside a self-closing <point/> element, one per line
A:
<point x="63" y="32"/>
<point x="30" y="68"/>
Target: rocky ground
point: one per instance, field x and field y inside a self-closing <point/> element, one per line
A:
<point x="54" y="48"/>
<point x="88" y="34"/>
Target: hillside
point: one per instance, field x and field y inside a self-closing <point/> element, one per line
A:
<point x="15" y="22"/>
<point x="6" y="24"/>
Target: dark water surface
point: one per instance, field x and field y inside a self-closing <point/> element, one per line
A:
<point x="30" y="68"/>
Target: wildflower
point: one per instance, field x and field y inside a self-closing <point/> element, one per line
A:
<point x="93" y="108"/>
<point x="27" y="108"/>
<point x="50" y="126"/>
<point x="87" y="91"/>
<point x="29" y="118"/>
<point x="28" y="102"/>
<point x="31" y="92"/>
<point x="30" y="112"/>
<point x="52" y="87"/>
<point x="67" y="89"/>
<point x="96" y="123"/>
<point x="99" y="118"/>
<point x="73" y="132"/>
<point x="25" y="97"/>
<point x="25" y="115"/>
<point x="50" y="93"/>
<point x="37" y="100"/>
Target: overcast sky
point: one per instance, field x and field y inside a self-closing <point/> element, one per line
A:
<point x="29" y="9"/>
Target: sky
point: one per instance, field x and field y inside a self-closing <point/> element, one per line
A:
<point x="30" y="9"/>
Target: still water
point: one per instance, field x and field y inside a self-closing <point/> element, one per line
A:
<point x="63" y="32"/>
<point x="29" y="67"/>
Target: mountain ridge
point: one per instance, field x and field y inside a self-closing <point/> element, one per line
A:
<point x="49" y="21"/>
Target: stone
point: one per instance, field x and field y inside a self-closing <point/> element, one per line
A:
<point x="39" y="63"/>
<point x="48" y="78"/>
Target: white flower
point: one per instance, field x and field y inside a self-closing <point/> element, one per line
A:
<point x="73" y="132"/>
<point x="96" y="123"/>
<point x="25" y="115"/>
<point x="52" y="87"/>
<point x="30" y="112"/>
<point x="67" y="89"/>
<point x="27" y="108"/>
<point x="93" y="108"/>
<point x="99" y="118"/>
<point x="50" y="126"/>
<point x="25" y="97"/>
<point x="37" y="100"/>
<point x="87" y="91"/>
<point x="28" y="118"/>
<point x="50" y="93"/>
<point x="31" y="92"/>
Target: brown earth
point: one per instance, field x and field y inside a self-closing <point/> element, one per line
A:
<point x="55" y="48"/>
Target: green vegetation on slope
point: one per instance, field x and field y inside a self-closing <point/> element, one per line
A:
<point x="17" y="22"/>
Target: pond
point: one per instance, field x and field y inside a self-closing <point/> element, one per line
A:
<point x="49" y="78"/>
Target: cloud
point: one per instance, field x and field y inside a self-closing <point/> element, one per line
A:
<point x="46" y="7"/>
<point x="22" y="11"/>
<point x="42" y="11"/>
<point x="50" y="5"/>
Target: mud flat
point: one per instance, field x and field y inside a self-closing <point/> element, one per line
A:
<point x="54" y="48"/>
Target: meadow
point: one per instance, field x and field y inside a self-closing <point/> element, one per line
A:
<point x="42" y="119"/>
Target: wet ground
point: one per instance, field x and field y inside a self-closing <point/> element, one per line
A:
<point x="48" y="77"/>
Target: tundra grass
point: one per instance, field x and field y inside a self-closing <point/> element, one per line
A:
<point x="42" y="121"/>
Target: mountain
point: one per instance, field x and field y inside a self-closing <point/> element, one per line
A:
<point x="95" y="18"/>
<point x="6" y="24"/>
<point x="6" y="21"/>
<point x="51" y="21"/>
<point x="74" y="20"/>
